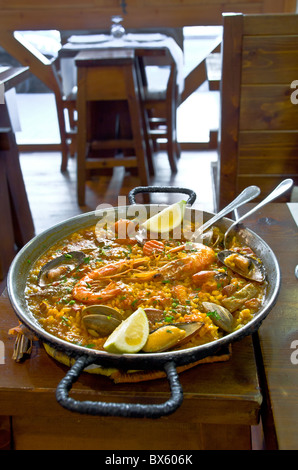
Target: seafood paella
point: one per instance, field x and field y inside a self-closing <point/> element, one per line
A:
<point x="84" y="287"/>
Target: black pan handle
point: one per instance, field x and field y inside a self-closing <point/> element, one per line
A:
<point x="161" y="189"/>
<point x="126" y="410"/>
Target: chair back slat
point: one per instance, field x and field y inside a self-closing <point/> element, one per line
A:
<point x="259" y="119"/>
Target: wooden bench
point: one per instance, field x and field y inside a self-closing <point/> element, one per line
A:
<point x="259" y="122"/>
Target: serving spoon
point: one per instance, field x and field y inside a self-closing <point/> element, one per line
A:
<point x="245" y="196"/>
<point x="236" y="228"/>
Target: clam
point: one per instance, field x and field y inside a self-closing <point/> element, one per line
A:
<point x="100" y="320"/>
<point x="60" y="266"/>
<point x="170" y="336"/>
<point x="221" y="316"/>
<point x="102" y="242"/>
<point x="246" y="266"/>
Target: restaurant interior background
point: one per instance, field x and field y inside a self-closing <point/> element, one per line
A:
<point x="36" y="125"/>
<point x="196" y="117"/>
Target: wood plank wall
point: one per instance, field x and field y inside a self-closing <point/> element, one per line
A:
<point x="268" y="139"/>
<point x="260" y="119"/>
<point x="95" y="14"/>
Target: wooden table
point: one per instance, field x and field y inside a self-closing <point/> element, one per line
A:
<point x="278" y="335"/>
<point x="159" y="48"/>
<point x="149" y="49"/>
<point x="221" y="400"/>
<point x="16" y="227"/>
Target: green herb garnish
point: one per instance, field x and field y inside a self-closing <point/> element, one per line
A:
<point x="169" y="318"/>
<point x="213" y="314"/>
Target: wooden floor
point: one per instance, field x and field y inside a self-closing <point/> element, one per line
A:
<point x="52" y="194"/>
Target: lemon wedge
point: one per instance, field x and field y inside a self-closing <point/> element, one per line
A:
<point x="167" y="219"/>
<point x="130" y="336"/>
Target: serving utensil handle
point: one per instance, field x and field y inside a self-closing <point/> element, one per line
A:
<point x="126" y="410"/>
<point x="161" y="189"/>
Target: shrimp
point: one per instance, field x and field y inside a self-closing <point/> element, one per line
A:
<point x="212" y="278"/>
<point x="201" y="257"/>
<point x="89" y="289"/>
<point x="180" y="293"/>
<point x="153" y="246"/>
<point x="124" y="229"/>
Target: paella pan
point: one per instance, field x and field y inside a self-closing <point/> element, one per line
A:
<point x="76" y="284"/>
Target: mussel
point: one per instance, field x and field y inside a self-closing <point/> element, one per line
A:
<point x="154" y="315"/>
<point x="100" y="320"/>
<point x="248" y="267"/>
<point x="59" y="267"/>
<point x="170" y="336"/>
<point x="212" y="237"/>
<point x="221" y="316"/>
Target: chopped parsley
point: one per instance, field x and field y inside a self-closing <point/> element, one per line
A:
<point x="169" y="318"/>
<point x="213" y="314"/>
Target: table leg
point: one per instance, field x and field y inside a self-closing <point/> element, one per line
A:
<point x="7" y="250"/>
<point x="5" y="433"/>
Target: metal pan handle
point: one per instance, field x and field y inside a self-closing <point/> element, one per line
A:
<point x="161" y="189"/>
<point x="126" y="410"/>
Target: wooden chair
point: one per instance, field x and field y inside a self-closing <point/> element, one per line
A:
<point x="66" y="104"/>
<point x="7" y="251"/>
<point x="16" y="227"/>
<point x="161" y="107"/>
<point x="69" y="104"/>
<point x="258" y="136"/>
<point x="108" y="92"/>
